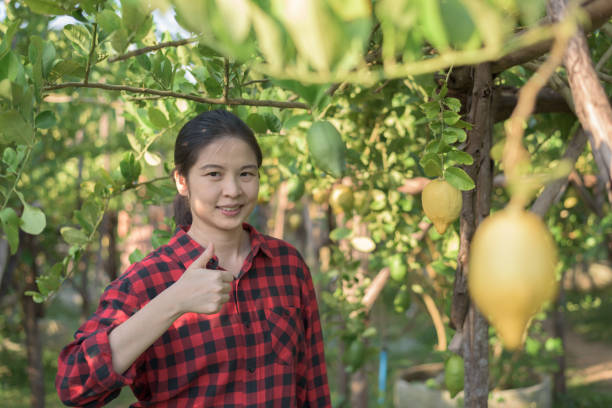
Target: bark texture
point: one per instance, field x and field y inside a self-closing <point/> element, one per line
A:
<point x="476" y="205"/>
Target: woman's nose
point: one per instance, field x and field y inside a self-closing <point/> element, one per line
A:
<point x="231" y="187"/>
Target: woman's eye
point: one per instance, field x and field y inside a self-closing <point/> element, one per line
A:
<point x="214" y="174"/>
<point x="247" y="174"/>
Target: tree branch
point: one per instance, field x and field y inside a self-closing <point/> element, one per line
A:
<point x="226" y="81"/>
<point x="91" y="52"/>
<point x="170" y="94"/>
<point x="598" y="12"/>
<point x="553" y="190"/>
<point x="155" y="47"/>
<point x="592" y="106"/>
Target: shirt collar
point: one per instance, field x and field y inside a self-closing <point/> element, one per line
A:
<point x="187" y="249"/>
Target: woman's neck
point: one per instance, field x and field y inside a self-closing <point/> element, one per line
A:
<point x="230" y="246"/>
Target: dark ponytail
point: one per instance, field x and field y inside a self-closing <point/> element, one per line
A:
<point x="194" y="136"/>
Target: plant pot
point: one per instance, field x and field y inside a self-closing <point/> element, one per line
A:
<point x="411" y="390"/>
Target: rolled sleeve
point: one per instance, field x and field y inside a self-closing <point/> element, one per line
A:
<point x="85" y="373"/>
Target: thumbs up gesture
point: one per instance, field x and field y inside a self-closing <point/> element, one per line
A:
<point x="201" y="290"/>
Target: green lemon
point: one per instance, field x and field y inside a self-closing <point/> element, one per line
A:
<point x="453" y="374"/>
<point x="326" y="148"/>
<point x="397" y="268"/>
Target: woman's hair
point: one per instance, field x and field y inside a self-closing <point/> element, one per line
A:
<point x="194" y="136"/>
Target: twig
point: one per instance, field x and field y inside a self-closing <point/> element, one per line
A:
<point x="256" y="81"/>
<point x="553" y="190"/>
<point x="91" y="52"/>
<point x="605" y="77"/>
<point x="433" y="311"/>
<point x="604" y="58"/>
<point x="213" y="101"/>
<point x="514" y="152"/>
<point x="152" y="48"/>
<point x="373" y="290"/>
<point x="226" y="82"/>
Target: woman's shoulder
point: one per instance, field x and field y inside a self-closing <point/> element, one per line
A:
<point x="159" y="260"/>
<point x="279" y="246"/>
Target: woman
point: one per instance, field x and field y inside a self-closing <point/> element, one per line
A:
<point x="221" y="316"/>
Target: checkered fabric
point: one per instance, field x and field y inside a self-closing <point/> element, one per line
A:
<point x="263" y="349"/>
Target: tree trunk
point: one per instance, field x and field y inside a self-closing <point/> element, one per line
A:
<point x="31" y="313"/>
<point x="592" y="105"/>
<point x="468" y="321"/>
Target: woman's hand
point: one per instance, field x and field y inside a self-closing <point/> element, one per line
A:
<point x="201" y="290"/>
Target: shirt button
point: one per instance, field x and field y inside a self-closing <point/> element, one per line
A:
<point x="247" y="324"/>
<point x="251" y="369"/>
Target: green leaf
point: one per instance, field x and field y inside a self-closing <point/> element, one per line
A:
<point x="10" y="225"/>
<point x="453" y="104"/>
<point x="157" y="118"/>
<point x="238" y="12"/>
<point x="67" y="68"/>
<point x="295" y="120"/>
<point x="451" y="135"/>
<point x="7" y="42"/>
<point x="340" y="233"/>
<point x="48" y="58"/>
<point x="272" y="122"/>
<point x="460" y="157"/>
<point x="459" y="179"/>
<point x="459" y="25"/>
<point x="35" y="51"/>
<point x="431" y="109"/>
<point x="9" y="157"/>
<point x="79" y="36"/>
<point x="108" y="21"/>
<point x="134" y="142"/>
<point x="431" y="164"/>
<point x="14" y="128"/>
<point x="45" y="120"/>
<point x="33" y="220"/>
<point x="47" y="7"/>
<point x="74" y="236"/>
<point x="88" y="215"/>
<point x="269" y="37"/>
<point x="134" y="13"/>
<point x="257" y="122"/>
<point x="51" y="281"/>
<point x="136" y="256"/>
<point x="432" y="24"/>
<point x="450" y="117"/>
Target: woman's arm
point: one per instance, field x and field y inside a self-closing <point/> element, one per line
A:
<point x="92" y="368"/>
<point x="199" y="290"/>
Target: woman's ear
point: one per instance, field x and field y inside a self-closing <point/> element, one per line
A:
<point x="181" y="184"/>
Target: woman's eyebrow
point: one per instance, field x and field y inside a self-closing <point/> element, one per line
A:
<point x="249" y="166"/>
<point x="210" y="166"/>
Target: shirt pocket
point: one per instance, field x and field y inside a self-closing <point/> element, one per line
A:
<point x="286" y="333"/>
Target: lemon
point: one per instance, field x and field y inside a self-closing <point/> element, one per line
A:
<point x="454" y="374"/>
<point x="320" y="195"/>
<point x="341" y="199"/>
<point x="512" y="271"/>
<point x="442" y="203"/>
<point x="363" y="244"/>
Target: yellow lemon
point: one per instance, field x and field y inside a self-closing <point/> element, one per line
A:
<point x="512" y="271"/>
<point x="442" y="203"/>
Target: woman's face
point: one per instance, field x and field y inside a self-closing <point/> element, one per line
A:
<point x="222" y="185"/>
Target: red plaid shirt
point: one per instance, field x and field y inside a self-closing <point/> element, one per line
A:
<point x="263" y="349"/>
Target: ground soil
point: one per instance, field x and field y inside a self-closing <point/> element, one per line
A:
<point x="588" y="362"/>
